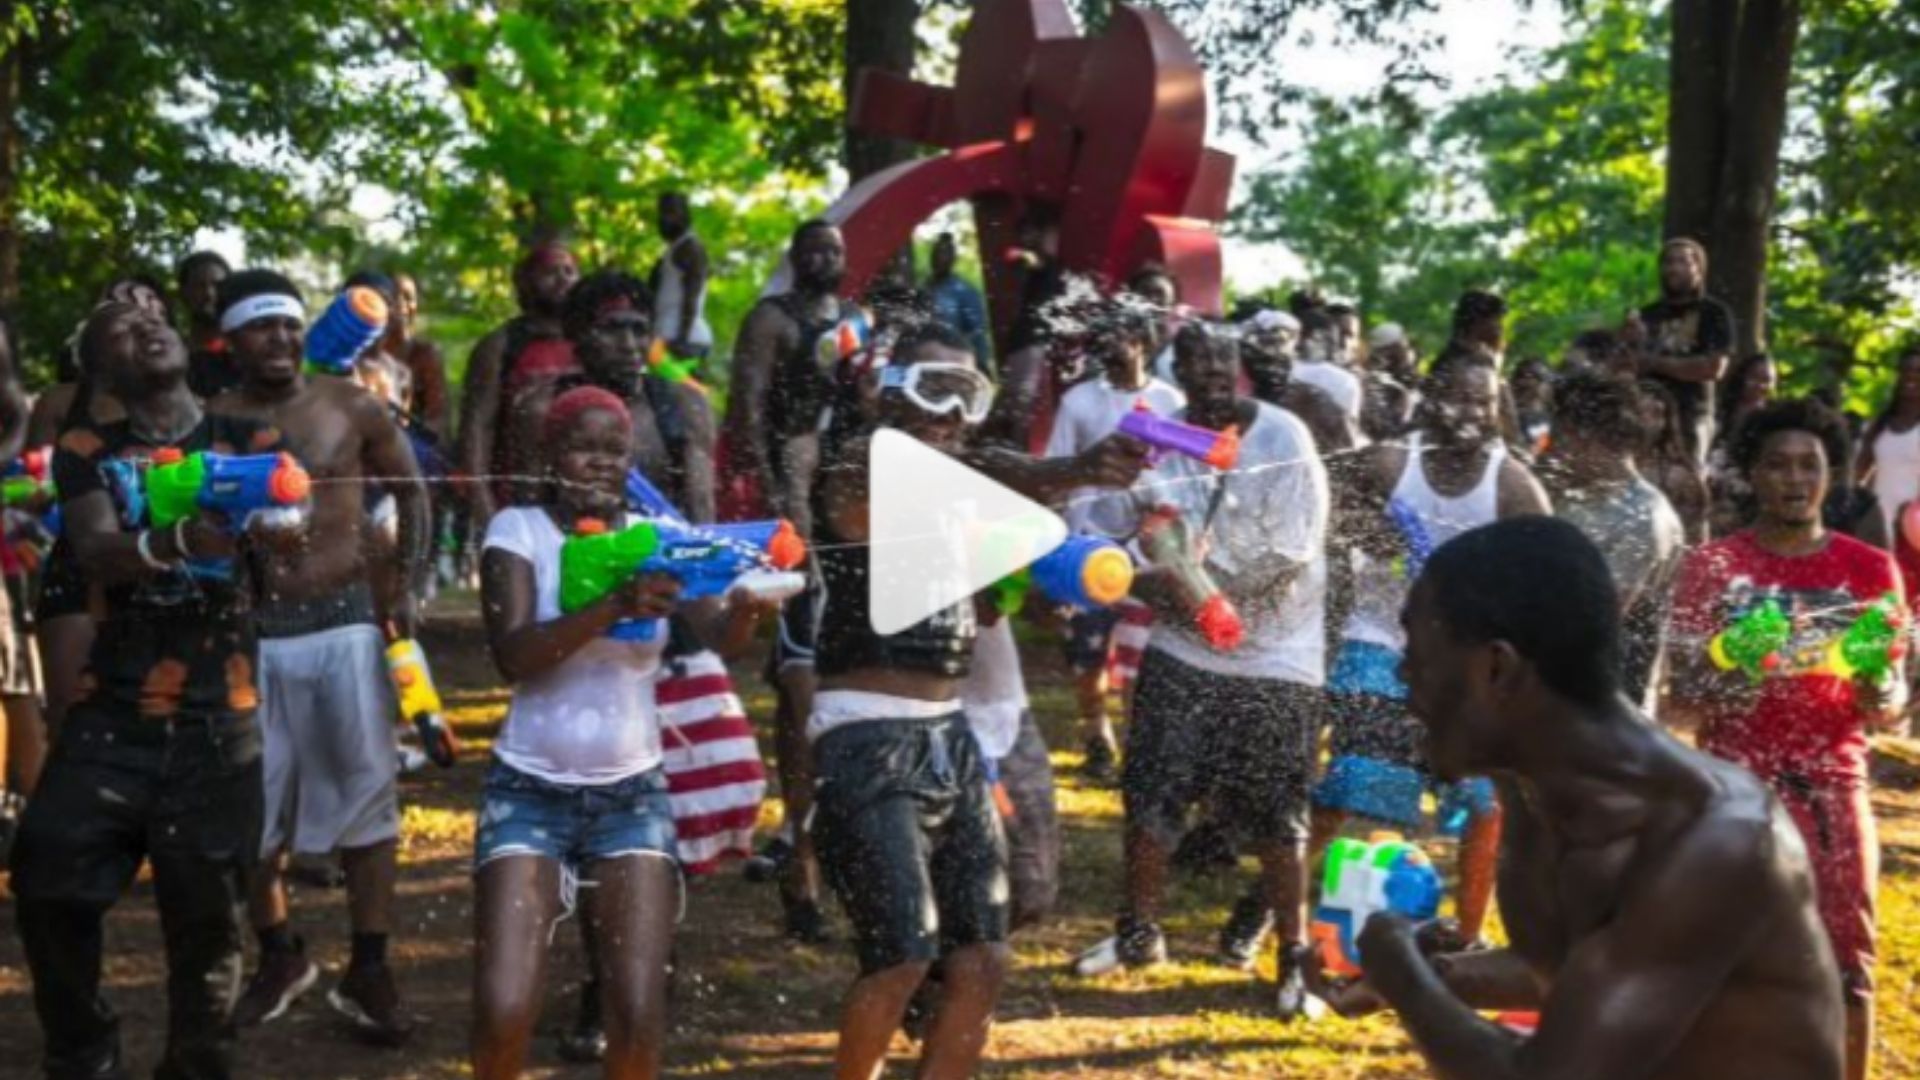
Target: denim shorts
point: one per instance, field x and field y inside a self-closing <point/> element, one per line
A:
<point x="572" y="824"/>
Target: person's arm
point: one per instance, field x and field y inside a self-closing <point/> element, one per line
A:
<point x="523" y="648"/>
<point x="1519" y="492"/>
<point x="479" y="409"/>
<point x="1492" y="979"/>
<point x="1114" y="462"/>
<point x="1360" y="501"/>
<point x="1705" y="368"/>
<point x="108" y="554"/>
<point x="1018" y="400"/>
<point x="697" y="483"/>
<point x="691" y="259"/>
<point x="430" y="387"/>
<point x="49" y="409"/>
<point x="846" y="492"/>
<point x="754" y="355"/>
<point x="386" y="453"/>
<point x="728" y="625"/>
<point x="1628" y="993"/>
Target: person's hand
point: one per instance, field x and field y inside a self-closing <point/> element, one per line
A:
<point x="1389" y="948"/>
<point x="743" y="603"/>
<point x="1114" y="462"/>
<point x="1633" y="331"/>
<point x="206" y="537"/>
<point x="648" y="596"/>
<point x="682" y="348"/>
<point x="1354" y="999"/>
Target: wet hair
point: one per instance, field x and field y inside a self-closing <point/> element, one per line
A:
<point x="1602" y="407"/>
<point x="592" y="295"/>
<point x="1735" y="386"/>
<point x="1540" y="585"/>
<point x="807" y="226"/>
<point x="194" y="262"/>
<point x="917" y="335"/>
<point x="1476" y="306"/>
<point x="1458" y="357"/>
<point x="1201" y="334"/>
<point x="1792" y="414"/>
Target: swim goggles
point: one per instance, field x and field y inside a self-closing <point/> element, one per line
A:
<point x="941" y="388"/>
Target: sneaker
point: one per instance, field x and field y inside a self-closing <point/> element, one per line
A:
<point x="1135" y="946"/>
<point x="805" y="922"/>
<point x="411" y="759"/>
<point x="368" y="998"/>
<point x="769" y="862"/>
<point x="1102" y="764"/>
<point x="586" y="1044"/>
<point x="1294" y="1000"/>
<point x="1246" y="928"/>
<point x="281" y="979"/>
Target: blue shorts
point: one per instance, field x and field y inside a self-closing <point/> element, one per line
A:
<point x="572" y="824"/>
<point x="1363" y="667"/>
<point x="1392" y="793"/>
<point x="1088" y="635"/>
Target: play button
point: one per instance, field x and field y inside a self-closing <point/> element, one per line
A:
<point x="940" y="532"/>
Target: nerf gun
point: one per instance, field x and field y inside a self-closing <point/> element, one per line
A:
<point x="354" y="320"/>
<point x="662" y="362"/>
<point x="1220" y="449"/>
<point x="1085" y="572"/>
<point x="271" y="488"/>
<point x="28" y="479"/>
<point x="1164" y="541"/>
<point x="707" y="561"/>
<point x="1361" y="879"/>
<point x="420" y="701"/>
<point x="649" y="500"/>
<point x="1873" y="644"/>
<point x="1754" y="643"/>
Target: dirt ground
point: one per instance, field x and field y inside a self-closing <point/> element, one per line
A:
<point x="749" y="1005"/>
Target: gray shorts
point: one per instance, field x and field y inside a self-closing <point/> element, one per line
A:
<point x="326" y="720"/>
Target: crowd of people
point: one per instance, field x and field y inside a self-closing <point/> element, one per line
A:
<point x="1418" y="644"/>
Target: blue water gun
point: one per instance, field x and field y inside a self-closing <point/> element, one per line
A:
<point x="706" y="560"/>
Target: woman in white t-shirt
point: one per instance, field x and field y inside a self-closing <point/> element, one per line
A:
<point x="576" y="789"/>
<point x="1890" y="451"/>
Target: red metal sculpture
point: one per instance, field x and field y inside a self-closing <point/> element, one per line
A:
<point x="1107" y="135"/>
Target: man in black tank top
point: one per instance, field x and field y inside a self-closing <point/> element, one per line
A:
<point x="779" y="390"/>
<point x="904" y="818"/>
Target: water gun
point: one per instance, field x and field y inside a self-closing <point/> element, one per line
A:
<point x="1164" y="541"/>
<point x="707" y="560"/>
<point x="1220" y="449"/>
<point x="28" y="480"/>
<point x="1414" y="535"/>
<point x="650" y="500"/>
<point x="420" y="701"/>
<point x="1360" y="879"/>
<point x="1873" y="644"/>
<point x="354" y="320"/>
<point x="269" y="488"/>
<point x="1085" y="572"/>
<point x="662" y="362"/>
<point x="845" y="341"/>
<point x="1755" y="643"/>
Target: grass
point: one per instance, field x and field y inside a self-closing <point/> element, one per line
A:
<point x="749" y="1005"/>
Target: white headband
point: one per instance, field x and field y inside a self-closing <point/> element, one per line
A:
<point x="262" y="306"/>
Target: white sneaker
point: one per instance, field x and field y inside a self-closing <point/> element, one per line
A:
<point x="1144" y="949"/>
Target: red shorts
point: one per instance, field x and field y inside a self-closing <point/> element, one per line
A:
<point x="1836" y="823"/>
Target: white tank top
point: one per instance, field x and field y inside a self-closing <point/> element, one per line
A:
<point x="1380" y="589"/>
<point x="1896" y="470"/>
<point x="666" y="304"/>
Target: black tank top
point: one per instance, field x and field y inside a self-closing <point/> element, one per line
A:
<point x="801" y="385"/>
<point x="941" y="644"/>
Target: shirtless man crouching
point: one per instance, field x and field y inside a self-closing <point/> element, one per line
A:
<point x="1660" y="902"/>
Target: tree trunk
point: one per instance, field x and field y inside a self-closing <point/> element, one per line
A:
<point x="1698" y="84"/>
<point x="1743" y="217"/>
<point x="10" y="239"/>
<point x="880" y="34"/>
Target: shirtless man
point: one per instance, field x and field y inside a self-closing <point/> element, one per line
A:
<point x="327" y="707"/>
<point x="779" y="392"/>
<point x="1660" y="902"/>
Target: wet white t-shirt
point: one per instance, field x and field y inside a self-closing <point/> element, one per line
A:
<point x="1272" y="519"/>
<point x="591" y="719"/>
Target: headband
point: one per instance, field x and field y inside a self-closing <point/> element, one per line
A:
<point x="261" y="306"/>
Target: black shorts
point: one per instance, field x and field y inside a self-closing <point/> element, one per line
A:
<point x="1245" y="747"/>
<point x="120" y="788"/>
<point x="63" y="589"/>
<point x="909" y="838"/>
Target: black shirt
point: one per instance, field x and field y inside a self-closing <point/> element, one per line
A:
<point x="212" y="372"/>
<point x="169" y="643"/>
<point x="1701" y="327"/>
